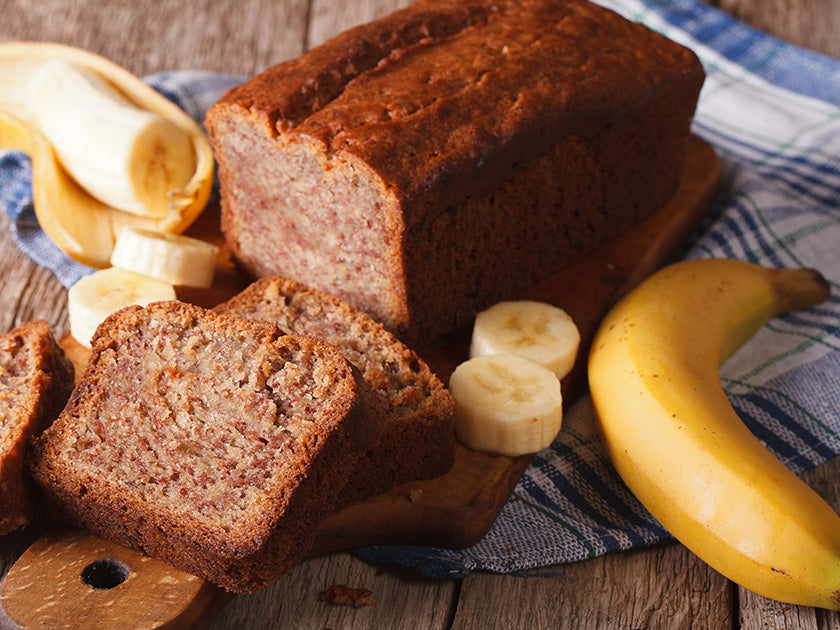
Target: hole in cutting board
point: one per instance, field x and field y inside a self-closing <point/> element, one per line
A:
<point x="105" y="574"/>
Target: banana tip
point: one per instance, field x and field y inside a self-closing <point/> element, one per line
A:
<point x="823" y="282"/>
<point x="822" y="288"/>
<point x="799" y="288"/>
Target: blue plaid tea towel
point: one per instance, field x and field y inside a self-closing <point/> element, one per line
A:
<point x="772" y="112"/>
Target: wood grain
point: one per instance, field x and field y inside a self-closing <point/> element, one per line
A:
<point x="605" y="592"/>
<point x="401" y="599"/>
<point x="651" y="588"/>
<point x="808" y="23"/>
<point x="55" y="583"/>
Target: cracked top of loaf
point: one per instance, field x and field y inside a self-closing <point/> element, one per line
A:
<point x="445" y="84"/>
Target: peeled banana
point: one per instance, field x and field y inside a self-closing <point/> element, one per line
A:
<point x="103" y="292"/>
<point x="537" y="331"/>
<point x="82" y="225"/>
<point x="506" y="404"/>
<point x="678" y="443"/>
<point x="173" y="258"/>
<point x="127" y="157"/>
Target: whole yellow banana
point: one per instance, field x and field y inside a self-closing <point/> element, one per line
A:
<point x="678" y="443"/>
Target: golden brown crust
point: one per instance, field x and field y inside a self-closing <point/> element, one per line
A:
<point x="417" y="440"/>
<point x="449" y="83"/>
<point x="35" y="382"/>
<point x="214" y="443"/>
<point x="447" y="156"/>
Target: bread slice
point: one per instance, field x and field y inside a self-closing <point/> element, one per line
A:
<point x="36" y="379"/>
<point x="417" y="441"/>
<point x="213" y="443"/>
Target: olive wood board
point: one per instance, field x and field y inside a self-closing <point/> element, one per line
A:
<point x="70" y="579"/>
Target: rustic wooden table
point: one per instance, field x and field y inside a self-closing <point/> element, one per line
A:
<point x="661" y="587"/>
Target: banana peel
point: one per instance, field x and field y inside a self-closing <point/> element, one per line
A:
<point x="85" y="228"/>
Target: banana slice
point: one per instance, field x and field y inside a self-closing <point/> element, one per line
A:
<point x="537" y="331"/>
<point x="128" y="158"/>
<point x="173" y="258"/>
<point x="506" y="404"/>
<point x="99" y="294"/>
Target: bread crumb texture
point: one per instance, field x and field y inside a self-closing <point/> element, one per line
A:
<point x="200" y="428"/>
<point x="35" y="381"/>
<point x="417" y="441"/>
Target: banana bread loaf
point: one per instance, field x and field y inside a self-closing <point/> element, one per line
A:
<point x="447" y="156"/>
<point x="417" y="440"/>
<point x="36" y="379"/>
<point x="214" y="443"/>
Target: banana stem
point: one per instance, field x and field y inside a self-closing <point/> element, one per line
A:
<point x="789" y="289"/>
<point x="798" y="288"/>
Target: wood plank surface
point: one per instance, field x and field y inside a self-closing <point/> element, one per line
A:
<point x="808" y="23"/>
<point x="661" y="587"/>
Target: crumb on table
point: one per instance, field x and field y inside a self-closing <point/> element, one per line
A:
<point x="343" y="595"/>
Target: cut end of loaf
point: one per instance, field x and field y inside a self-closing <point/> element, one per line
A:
<point x="332" y="214"/>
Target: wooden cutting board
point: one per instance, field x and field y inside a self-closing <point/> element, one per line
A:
<point x="69" y="579"/>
